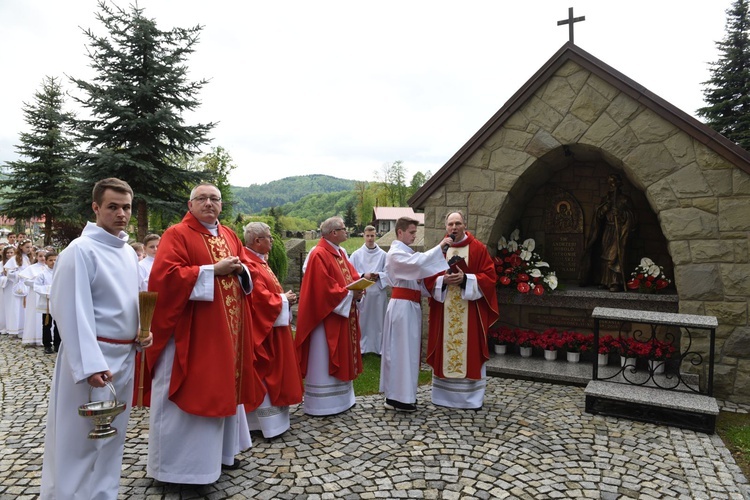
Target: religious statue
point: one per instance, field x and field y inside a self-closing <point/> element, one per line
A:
<point x="604" y="257"/>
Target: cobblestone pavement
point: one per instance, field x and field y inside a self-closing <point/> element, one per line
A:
<point x="531" y="440"/>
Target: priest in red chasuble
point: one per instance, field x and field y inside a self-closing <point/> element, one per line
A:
<point x="276" y="357"/>
<point x="463" y="305"/>
<point x="328" y="334"/>
<point x="201" y="369"/>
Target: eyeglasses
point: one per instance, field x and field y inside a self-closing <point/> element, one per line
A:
<point x="269" y="237"/>
<point x="204" y="199"/>
<point x="340" y="229"/>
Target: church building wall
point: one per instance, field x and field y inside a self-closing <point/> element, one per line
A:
<point x="701" y="200"/>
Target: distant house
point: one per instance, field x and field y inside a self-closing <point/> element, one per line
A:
<point x="384" y="218"/>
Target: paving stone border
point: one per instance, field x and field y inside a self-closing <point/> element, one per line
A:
<point x="531" y="440"/>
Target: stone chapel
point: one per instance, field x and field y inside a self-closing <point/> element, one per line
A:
<point x="572" y="124"/>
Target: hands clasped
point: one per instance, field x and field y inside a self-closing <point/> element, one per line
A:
<point x="228" y="265"/>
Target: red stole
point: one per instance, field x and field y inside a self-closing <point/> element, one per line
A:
<point x="323" y="288"/>
<point x="481" y="313"/>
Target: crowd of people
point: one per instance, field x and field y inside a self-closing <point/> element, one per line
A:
<point x="221" y="362"/>
<point x="24" y="281"/>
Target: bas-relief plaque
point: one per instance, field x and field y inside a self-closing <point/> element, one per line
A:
<point x="563" y="234"/>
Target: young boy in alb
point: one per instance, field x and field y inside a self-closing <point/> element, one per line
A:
<point x="41" y="287"/>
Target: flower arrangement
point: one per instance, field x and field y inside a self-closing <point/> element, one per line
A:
<point x="525" y="338"/>
<point x="607" y="344"/>
<point x="660" y="350"/>
<point x="648" y="277"/>
<point x="576" y="341"/>
<point x="519" y="267"/>
<point x="502" y="335"/>
<point x="549" y="340"/>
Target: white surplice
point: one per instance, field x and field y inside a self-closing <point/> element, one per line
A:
<point x="94" y="293"/>
<point x="144" y="270"/>
<point x="14" y="312"/>
<point x="373" y="304"/>
<point x="402" y="330"/>
<point x="32" y="331"/>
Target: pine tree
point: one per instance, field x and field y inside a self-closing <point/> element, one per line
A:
<point x="136" y="131"/>
<point x="728" y="90"/>
<point x="39" y="186"/>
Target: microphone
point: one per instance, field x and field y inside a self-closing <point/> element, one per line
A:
<point x="452" y="237"/>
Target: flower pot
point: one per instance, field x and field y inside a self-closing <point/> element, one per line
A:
<point x="574" y="357"/>
<point x="603" y="359"/>
<point x="656" y="366"/>
<point x="500" y="348"/>
<point x="625" y="362"/>
<point x="550" y="355"/>
<point x="525" y="352"/>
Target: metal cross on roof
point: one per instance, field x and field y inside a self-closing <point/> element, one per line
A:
<point x="569" y="21"/>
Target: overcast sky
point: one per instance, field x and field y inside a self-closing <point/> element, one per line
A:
<point x="342" y="87"/>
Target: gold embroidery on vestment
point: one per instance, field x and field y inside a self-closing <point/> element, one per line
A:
<point x="455" y="325"/>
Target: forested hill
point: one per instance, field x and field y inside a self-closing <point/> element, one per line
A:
<point x="254" y="198"/>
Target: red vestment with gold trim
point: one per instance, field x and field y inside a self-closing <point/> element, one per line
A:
<point x="482" y="313"/>
<point x="213" y="369"/>
<point x="323" y="288"/>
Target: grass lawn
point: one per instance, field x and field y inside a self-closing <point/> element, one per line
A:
<point x="369" y="381"/>
<point x="734" y="430"/>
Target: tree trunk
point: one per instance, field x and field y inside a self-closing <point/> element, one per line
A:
<point x="47" y="230"/>
<point x="142" y="219"/>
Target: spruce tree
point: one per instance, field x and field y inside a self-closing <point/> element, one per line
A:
<point x="39" y="185"/>
<point x="136" y="130"/>
<point x="728" y="90"/>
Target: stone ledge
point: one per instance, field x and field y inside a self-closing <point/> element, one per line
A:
<point x="673" y="400"/>
<point x="575" y="297"/>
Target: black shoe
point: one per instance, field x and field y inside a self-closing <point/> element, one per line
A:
<point x="392" y="404"/>
<point x="48" y="350"/>
<point x="235" y="465"/>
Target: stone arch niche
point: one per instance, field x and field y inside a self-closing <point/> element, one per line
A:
<point x="577" y="174"/>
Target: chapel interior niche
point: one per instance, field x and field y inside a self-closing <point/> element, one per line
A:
<point x="573" y="188"/>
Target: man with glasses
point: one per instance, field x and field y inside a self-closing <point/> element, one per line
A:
<point x="202" y="366"/>
<point x="276" y="358"/>
<point x="328" y="334"/>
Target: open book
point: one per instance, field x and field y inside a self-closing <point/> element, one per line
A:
<point x="360" y="284"/>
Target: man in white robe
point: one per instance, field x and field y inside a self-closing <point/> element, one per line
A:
<point x="369" y="261"/>
<point x="402" y="331"/>
<point x="94" y="299"/>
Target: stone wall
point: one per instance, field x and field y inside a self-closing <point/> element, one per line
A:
<point x="295" y="252"/>
<point x="702" y="201"/>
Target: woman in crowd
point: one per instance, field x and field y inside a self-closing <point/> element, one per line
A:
<point x="32" y="332"/>
<point x="14" y="313"/>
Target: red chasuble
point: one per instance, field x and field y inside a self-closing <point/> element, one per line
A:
<point x="213" y="368"/>
<point x="481" y="313"/>
<point x="275" y="355"/>
<point x="323" y="288"/>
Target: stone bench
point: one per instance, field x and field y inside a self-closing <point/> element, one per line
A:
<point x="647" y="401"/>
<point x="648" y="404"/>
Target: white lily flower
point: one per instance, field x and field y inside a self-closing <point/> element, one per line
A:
<point x="514" y="235"/>
<point x="541" y="263"/>
<point x="513" y="246"/>
<point x="646" y="263"/>
<point x="551" y="280"/>
<point x="654" y="270"/>
<point x="526" y="255"/>
<point x="535" y="273"/>
<point x="529" y="245"/>
<point x="502" y="243"/>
